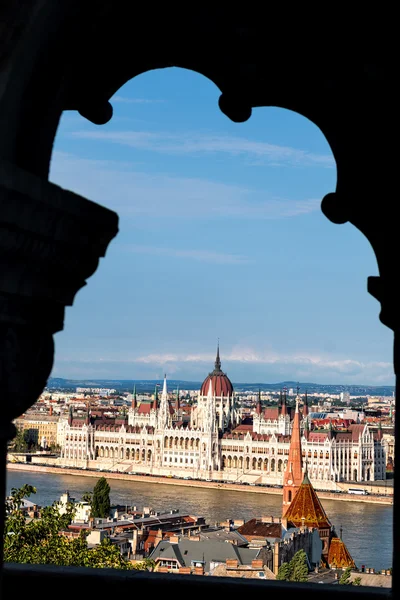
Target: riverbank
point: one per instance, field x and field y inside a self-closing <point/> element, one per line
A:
<point x="369" y="499"/>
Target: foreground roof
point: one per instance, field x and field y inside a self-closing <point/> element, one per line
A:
<point x="339" y="556"/>
<point x="306" y="508"/>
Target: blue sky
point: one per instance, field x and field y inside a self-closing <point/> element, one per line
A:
<point x="221" y="236"/>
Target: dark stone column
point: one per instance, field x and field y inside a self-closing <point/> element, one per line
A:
<point x="51" y="241"/>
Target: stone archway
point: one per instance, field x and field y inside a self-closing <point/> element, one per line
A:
<point x="53" y="75"/>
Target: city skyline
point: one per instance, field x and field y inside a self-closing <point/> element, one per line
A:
<point x="221" y="235"/>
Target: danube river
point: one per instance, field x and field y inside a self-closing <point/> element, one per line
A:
<point x="367" y="528"/>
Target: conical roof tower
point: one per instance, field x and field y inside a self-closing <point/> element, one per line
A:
<point x="293" y="475"/>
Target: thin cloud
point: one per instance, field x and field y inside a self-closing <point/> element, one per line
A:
<point x="197" y="143"/>
<point x="241" y="366"/>
<point x="198" y="255"/>
<point x="123" y="100"/>
<point x="123" y="187"/>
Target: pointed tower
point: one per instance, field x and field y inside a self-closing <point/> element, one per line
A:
<point x="134" y="399"/>
<point x="283" y="410"/>
<point x="293" y="475"/>
<point x="258" y="405"/>
<point x="306" y="429"/>
<point x="217" y="364"/>
<point x="177" y="402"/>
<point x="305" y="406"/>
<point x="154" y="405"/>
<point x="70" y="415"/>
<point x="306" y="510"/>
<point x="330" y="430"/>
<point x="163" y="411"/>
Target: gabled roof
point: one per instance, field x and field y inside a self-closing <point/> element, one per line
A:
<point x="307" y="505"/>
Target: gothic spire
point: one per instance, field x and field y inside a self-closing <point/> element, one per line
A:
<point x="134" y="400"/>
<point x="259" y="405"/>
<point x="163" y="411"/>
<point x="155" y="401"/>
<point x="283" y="410"/>
<point x="293" y="476"/>
<point x="178" y="405"/>
<point x="305" y="406"/>
<point x="217" y="365"/>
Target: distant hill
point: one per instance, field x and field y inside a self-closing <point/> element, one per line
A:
<point x="148" y="385"/>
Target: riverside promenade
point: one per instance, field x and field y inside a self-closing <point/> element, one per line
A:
<point x="192" y="483"/>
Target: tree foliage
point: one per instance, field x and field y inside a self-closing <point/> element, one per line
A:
<point x="299" y="566"/>
<point x="345" y="578"/>
<point x="147" y="564"/>
<point x="284" y="572"/>
<point x="22" y="441"/>
<point x="101" y="499"/>
<point x="38" y="541"/>
<point x="296" y="569"/>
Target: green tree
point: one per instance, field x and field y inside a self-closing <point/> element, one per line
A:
<point x="285" y="572"/>
<point x="39" y="541"/>
<point x="296" y="569"/>
<point x="345" y="578"/>
<point x="356" y="581"/>
<point x="300" y="566"/>
<point x="22" y="440"/>
<point x="148" y="564"/>
<point x="101" y="499"/>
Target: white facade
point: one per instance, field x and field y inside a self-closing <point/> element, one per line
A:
<point x="215" y="446"/>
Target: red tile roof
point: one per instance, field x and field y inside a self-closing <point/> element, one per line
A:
<point x="339" y="557"/>
<point x="271" y="413"/>
<point x="307" y="505"/>
<point x="256" y="528"/>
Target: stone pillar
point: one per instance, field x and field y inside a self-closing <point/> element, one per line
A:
<point x="50" y="242"/>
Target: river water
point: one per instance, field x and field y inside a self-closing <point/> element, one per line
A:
<point x="367" y="528"/>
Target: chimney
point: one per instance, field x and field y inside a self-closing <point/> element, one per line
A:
<point x="232" y="563"/>
<point x="257" y="565"/>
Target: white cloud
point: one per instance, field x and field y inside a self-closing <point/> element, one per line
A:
<point x="197" y="143"/>
<point x="199" y="255"/>
<point x="125" y="188"/>
<point x="123" y="100"/>
<point x="244" y="366"/>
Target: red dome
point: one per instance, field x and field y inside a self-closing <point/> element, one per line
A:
<point x="221" y="384"/>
